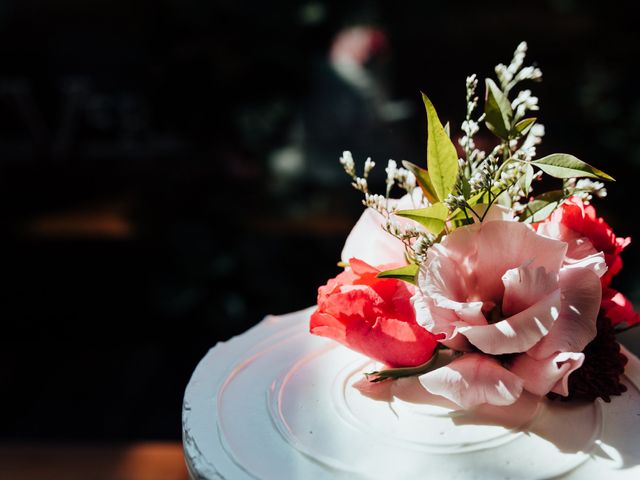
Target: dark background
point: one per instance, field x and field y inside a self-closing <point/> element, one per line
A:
<point x="141" y="220"/>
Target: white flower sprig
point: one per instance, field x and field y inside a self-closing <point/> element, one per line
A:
<point x="456" y="186"/>
<point x="470" y="127"/>
<point x="409" y="234"/>
<point x="510" y="76"/>
<point x="585" y="189"/>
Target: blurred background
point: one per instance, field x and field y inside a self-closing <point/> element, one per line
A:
<point x="169" y="171"/>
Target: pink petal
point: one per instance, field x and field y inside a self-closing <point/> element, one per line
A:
<point x="375" y="390"/>
<point x="474" y="379"/>
<point x="410" y="390"/>
<point x="546" y="375"/>
<point x="524" y="286"/>
<point x="506" y="245"/>
<point x="580" y="251"/>
<point x="370" y="243"/>
<point x="576" y="324"/>
<point x="443" y="280"/>
<point x="438" y="321"/>
<point x="593" y="261"/>
<point x="408" y="201"/>
<point x="557" y="230"/>
<point x="519" y="332"/>
<point x="517" y="415"/>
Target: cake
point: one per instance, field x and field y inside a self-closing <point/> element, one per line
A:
<point x="472" y="333"/>
<point x="276" y="402"/>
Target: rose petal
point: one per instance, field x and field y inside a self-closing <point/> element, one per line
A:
<point x="443" y="281"/>
<point x="370" y="243"/>
<point x="585" y="257"/>
<point x="373" y="316"/>
<point x="362" y="268"/>
<point x="328" y="326"/>
<point x="524" y="286"/>
<point x="519" y="332"/>
<point x="546" y="375"/>
<point x="474" y="379"/>
<point x="506" y="245"/>
<point x="439" y="321"/>
<point x="576" y="324"/>
<point x="617" y="308"/>
<point x="517" y="415"/>
<point x="375" y="390"/>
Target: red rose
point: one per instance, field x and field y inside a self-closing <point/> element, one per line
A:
<point x="617" y="308"/>
<point x="373" y="316"/>
<point x="581" y="219"/>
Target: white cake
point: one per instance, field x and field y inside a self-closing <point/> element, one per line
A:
<point x="279" y="403"/>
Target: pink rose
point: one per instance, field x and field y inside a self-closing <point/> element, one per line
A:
<point x="373" y="316"/>
<point x="513" y="299"/>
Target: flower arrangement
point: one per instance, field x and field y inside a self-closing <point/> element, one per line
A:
<point x="514" y="287"/>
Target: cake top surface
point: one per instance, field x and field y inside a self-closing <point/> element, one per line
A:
<point x="276" y="402"/>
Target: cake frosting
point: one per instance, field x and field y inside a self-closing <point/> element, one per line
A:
<point x="276" y="402"/>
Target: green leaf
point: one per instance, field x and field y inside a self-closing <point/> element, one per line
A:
<point x="432" y="218"/>
<point x="563" y="165"/>
<point x="542" y="206"/>
<point x="523" y="126"/>
<point x="524" y="182"/>
<point x="465" y="187"/>
<point x="498" y="111"/>
<point x="423" y="179"/>
<point x="442" y="157"/>
<point x="406" y="274"/>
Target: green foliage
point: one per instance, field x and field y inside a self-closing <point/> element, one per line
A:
<point x="407" y="273"/>
<point x="432" y="217"/>
<point x="442" y="157"/>
<point x="423" y="179"/>
<point x="498" y="111"/>
<point x="542" y="206"/>
<point x="563" y="165"/>
<point x="523" y="126"/>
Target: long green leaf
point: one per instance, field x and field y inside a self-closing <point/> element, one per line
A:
<point x="542" y="206"/>
<point x="432" y="218"/>
<point x="423" y="179"/>
<point x="523" y="126"/>
<point x="498" y="111"/>
<point x="442" y="157"/>
<point x="407" y="273"/>
<point x="563" y="165"/>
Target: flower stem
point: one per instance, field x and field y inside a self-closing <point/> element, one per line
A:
<point x="624" y="329"/>
<point x="379" y="376"/>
